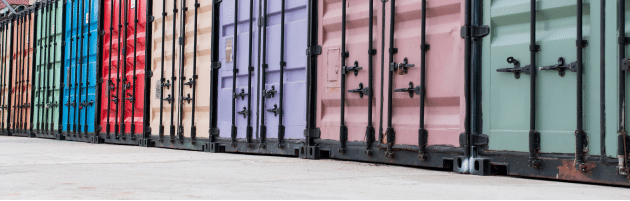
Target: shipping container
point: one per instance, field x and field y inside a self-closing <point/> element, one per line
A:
<point x="21" y="80"/>
<point x="123" y="72"/>
<point x="179" y="96"/>
<point x="391" y="82"/>
<point x="80" y="113"/>
<point x="551" y="107"/>
<point x="48" y="69"/>
<point x="6" y="35"/>
<point x="260" y="87"/>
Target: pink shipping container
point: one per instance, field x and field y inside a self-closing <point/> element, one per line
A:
<point x="397" y="137"/>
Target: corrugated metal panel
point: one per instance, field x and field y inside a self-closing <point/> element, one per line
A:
<point x="122" y="103"/>
<point x="21" y="92"/>
<point x="48" y="79"/>
<point x="80" y="68"/>
<point x="249" y="121"/>
<point x="194" y="100"/>
<point x="444" y="105"/>
<point x="5" y="70"/>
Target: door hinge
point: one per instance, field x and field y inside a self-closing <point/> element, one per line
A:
<point x="216" y="1"/>
<point x="149" y="74"/>
<point x="475" y="31"/>
<point x="216" y="65"/>
<point x="314" y="50"/>
<point x="477" y="139"/>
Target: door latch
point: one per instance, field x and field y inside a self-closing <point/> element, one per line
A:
<point x="244" y="112"/>
<point x="401" y="67"/>
<point x="625" y="64"/>
<point x="241" y="95"/>
<point x="354" y="68"/>
<point x="168" y="98"/>
<point x="361" y="91"/>
<point x="187" y="98"/>
<point x="130" y="99"/>
<point x="114" y="99"/>
<point x="275" y="110"/>
<point x="270" y="93"/>
<point x="517" y="70"/>
<point x="561" y="67"/>
<point x="411" y="90"/>
<point x="190" y="82"/>
<point x="166" y="84"/>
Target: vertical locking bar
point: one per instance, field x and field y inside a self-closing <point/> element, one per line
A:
<point x="579" y="133"/>
<point x="62" y="60"/>
<point x="622" y="133"/>
<point x="69" y="68"/>
<point x="3" y="47"/>
<point x="51" y="64"/>
<point x="422" y="131"/>
<point x="534" y="136"/>
<point x="193" y="123"/>
<point x="215" y="65"/>
<point x="343" y="130"/>
<point x="31" y="65"/>
<point x="162" y="79"/>
<point x="78" y="55"/>
<point x="87" y="66"/>
<point x="391" y="135"/>
<point x="146" y="129"/>
<point x="173" y="78"/>
<point x="40" y="83"/>
<point x="258" y="91"/>
<point x="109" y="71"/>
<point x="380" y="126"/>
<point x="10" y="70"/>
<point x="135" y="76"/>
<point x="263" y="79"/>
<point x="369" y="130"/>
<point x="80" y="66"/>
<point x="124" y="85"/>
<point x="283" y="64"/>
<point x="182" y="62"/>
<point x="234" y="71"/>
<point x="250" y="68"/>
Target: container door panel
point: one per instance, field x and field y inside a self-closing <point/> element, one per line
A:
<point x="5" y="70"/>
<point x="294" y="80"/>
<point x="506" y="104"/>
<point x="241" y="57"/>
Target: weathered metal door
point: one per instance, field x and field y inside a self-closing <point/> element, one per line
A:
<point x="80" y="68"/>
<point x="122" y="100"/>
<point x="48" y="77"/>
<point x="22" y="75"/>
<point x="6" y="34"/>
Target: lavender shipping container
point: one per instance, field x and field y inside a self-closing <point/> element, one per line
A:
<point x="261" y="83"/>
<point x="410" y="108"/>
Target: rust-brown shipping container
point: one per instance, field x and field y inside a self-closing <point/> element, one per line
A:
<point x="20" y="77"/>
<point x="5" y="67"/>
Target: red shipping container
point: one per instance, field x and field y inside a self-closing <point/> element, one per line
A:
<point x="122" y="97"/>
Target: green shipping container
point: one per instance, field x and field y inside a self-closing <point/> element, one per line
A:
<point x="48" y="77"/>
<point x="530" y="116"/>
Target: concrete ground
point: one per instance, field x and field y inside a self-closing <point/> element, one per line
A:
<point x="48" y="169"/>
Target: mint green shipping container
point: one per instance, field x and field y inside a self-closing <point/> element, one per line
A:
<point x="541" y="119"/>
<point x="48" y="68"/>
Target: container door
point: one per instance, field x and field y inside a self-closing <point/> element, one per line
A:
<point x="354" y="69"/>
<point x="48" y="68"/>
<point x="236" y="103"/>
<point x="286" y="72"/>
<point x="89" y="30"/>
<point x="22" y="61"/>
<point x="71" y="96"/>
<point x="5" y="70"/>
<point x="506" y="95"/>
<point x="132" y="91"/>
<point x="444" y="106"/>
<point x="193" y="99"/>
<point x="113" y="71"/>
